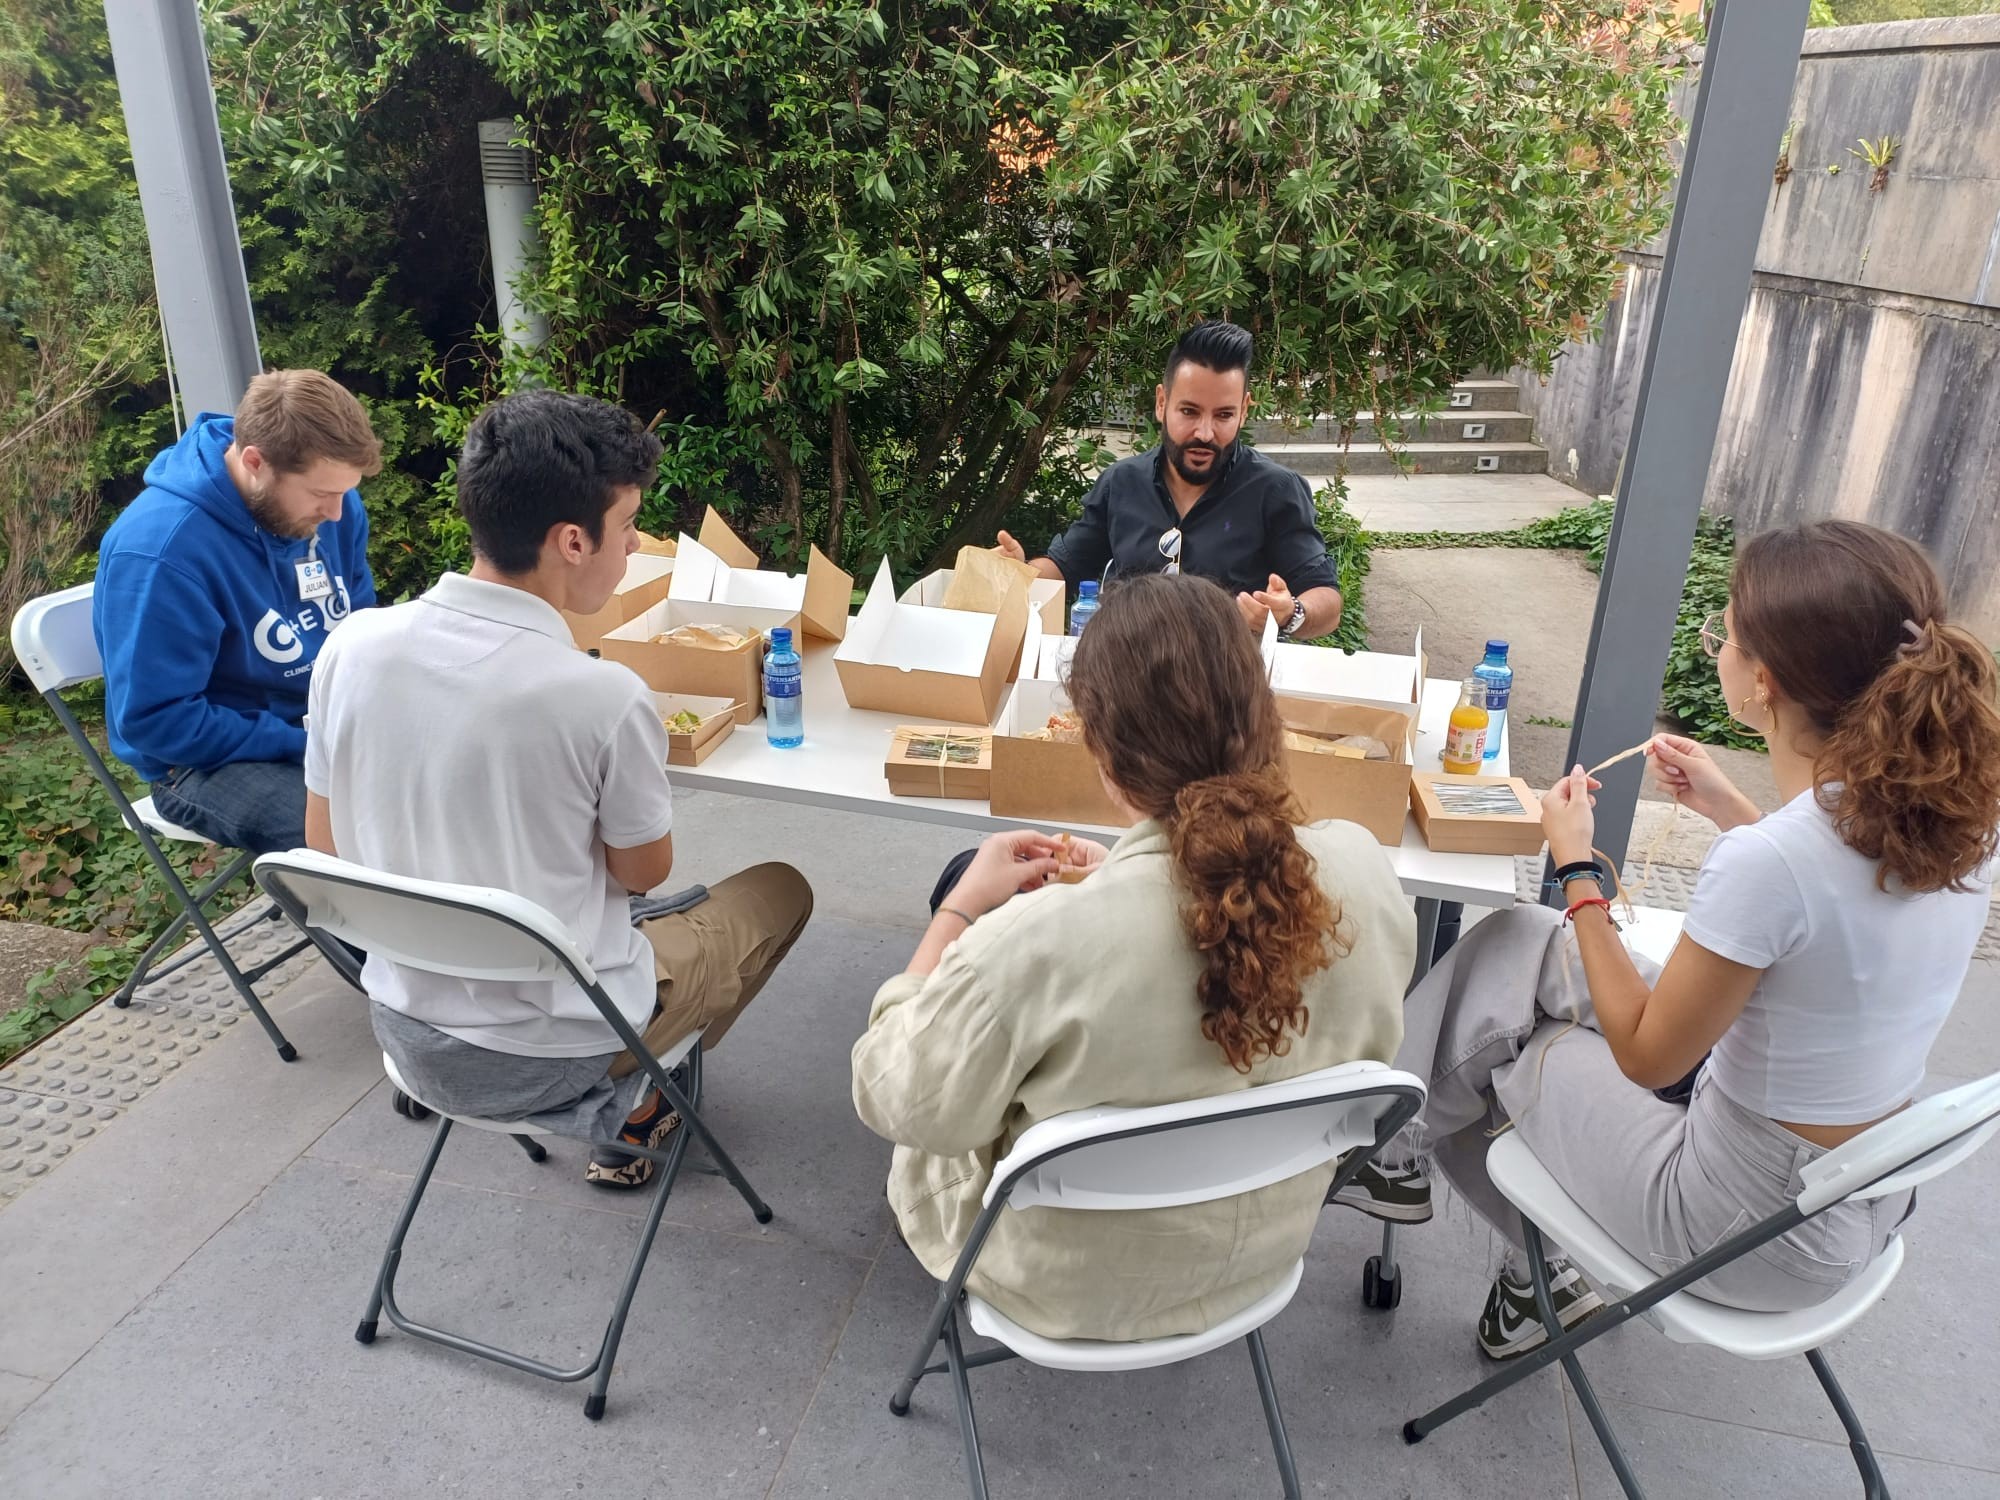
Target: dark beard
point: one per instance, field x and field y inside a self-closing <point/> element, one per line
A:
<point x="264" y="511"/>
<point x="1176" y="452"/>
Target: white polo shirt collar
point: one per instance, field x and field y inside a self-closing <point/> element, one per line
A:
<point x="500" y="603"/>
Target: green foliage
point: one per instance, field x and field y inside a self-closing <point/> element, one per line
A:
<point x="1348" y="545"/>
<point x="70" y="863"/>
<point x="1861" y="12"/>
<point x="874" y="263"/>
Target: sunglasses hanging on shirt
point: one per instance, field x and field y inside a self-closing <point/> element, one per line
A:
<point x="1170" y="549"/>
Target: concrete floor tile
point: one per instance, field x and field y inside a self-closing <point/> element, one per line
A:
<point x="242" y="1378"/>
<point x="1346" y="1380"/>
<point x="1673" y="1454"/>
<point x="86" y="1244"/>
<point x="777" y="1095"/>
<point x="16" y="1392"/>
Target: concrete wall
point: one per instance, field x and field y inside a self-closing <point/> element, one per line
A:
<point x="1866" y="381"/>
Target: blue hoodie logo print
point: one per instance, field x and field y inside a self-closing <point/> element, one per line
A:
<point x="275" y="639"/>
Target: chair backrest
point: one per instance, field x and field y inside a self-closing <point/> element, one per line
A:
<point x="1931" y="1136"/>
<point x="1166" y="1155"/>
<point x="54" y="642"/>
<point x="470" y="931"/>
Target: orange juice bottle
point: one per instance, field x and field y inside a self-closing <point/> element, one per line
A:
<point x="1465" y="739"/>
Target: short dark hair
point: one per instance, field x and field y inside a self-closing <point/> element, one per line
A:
<point x="1214" y="345"/>
<point x="541" y="458"/>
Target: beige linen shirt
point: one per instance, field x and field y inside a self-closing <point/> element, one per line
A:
<point x="1081" y="996"/>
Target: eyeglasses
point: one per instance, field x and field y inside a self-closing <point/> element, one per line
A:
<point x="1714" y="633"/>
<point x="1170" y="549"/>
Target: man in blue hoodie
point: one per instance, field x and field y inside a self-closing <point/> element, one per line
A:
<point x="216" y="589"/>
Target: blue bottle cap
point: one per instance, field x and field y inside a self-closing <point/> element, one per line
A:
<point x="781" y="638"/>
<point x="1087" y="589"/>
<point x="1496" y="648"/>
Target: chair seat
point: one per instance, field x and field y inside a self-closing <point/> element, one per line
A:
<point x="1142" y="1354"/>
<point x="1683" y="1317"/>
<point x="150" y="816"/>
<point x="669" y="1058"/>
<point x="1652" y="931"/>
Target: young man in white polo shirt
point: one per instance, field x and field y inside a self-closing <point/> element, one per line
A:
<point x="463" y="737"/>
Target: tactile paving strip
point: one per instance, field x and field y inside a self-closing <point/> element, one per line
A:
<point x="56" y="1096"/>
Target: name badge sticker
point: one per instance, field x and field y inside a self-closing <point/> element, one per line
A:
<point x="315" y="582"/>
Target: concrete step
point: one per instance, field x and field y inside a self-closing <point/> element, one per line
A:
<point x="1318" y="459"/>
<point x="1456" y="502"/>
<point x="1468" y="426"/>
<point x="1486" y="394"/>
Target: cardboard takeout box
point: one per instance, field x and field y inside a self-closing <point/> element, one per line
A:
<point x="691" y="747"/>
<point x="1477" y="814"/>
<point x="1373" y="793"/>
<point x="676" y="667"/>
<point x="929" y="663"/>
<point x="940" y="760"/>
<point x="946" y="589"/>
<point x="647" y="577"/>
<point x="1045" y="780"/>
<point x="717" y="582"/>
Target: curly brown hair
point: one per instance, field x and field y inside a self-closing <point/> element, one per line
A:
<point x="1850" y="622"/>
<point x="1172" y="696"/>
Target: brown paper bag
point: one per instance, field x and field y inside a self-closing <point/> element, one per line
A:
<point x="980" y="580"/>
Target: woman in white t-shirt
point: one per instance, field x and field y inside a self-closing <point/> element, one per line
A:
<point x="1825" y="943"/>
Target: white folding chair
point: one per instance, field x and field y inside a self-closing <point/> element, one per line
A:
<point x="56" y="647"/>
<point x="1930" y="1137"/>
<point x="480" y="934"/>
<point x="1162" y="1156"/>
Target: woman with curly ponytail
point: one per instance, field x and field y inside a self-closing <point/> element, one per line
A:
<point x="1218" y="946"/>
<point x="1825" y="943"/>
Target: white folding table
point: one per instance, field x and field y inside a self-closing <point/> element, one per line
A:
<point x="840" y="766"/>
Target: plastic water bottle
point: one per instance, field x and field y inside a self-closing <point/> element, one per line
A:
<point x="1085" y="606"/>
<point x="1499" y="680"/>
<point x="784" y="705"/>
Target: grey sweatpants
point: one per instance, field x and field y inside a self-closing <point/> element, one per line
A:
<point x="1502" y="1030"/>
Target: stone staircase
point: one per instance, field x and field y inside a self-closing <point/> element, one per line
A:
<point x="1482" y="431"/>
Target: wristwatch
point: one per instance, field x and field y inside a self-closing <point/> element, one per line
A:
<point x="1291" y="626"/>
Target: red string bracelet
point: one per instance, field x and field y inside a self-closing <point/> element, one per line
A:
<point x="1584" y="901"/>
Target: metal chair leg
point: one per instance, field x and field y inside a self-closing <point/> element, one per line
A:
<point x="385" y="1277"/>
<point x="143" y="969"/>
<point x="1873" y="1485"/>
<point x="535" y="1149"/>
<point x="593" y="1405"/>
<point x="692" y="1120"/>
<point x="1267" y="1392"/>
<point x="1586" y="1396"/>
<point x="899" y="1403"/>
<point x="968" y="1429"/>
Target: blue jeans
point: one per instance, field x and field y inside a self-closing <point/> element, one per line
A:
<point x="259" y="805"/>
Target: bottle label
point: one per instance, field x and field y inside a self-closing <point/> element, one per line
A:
<point x="1496" y="698"/>
<point x="1463" y="746"/>
<point x="782" y="687"/>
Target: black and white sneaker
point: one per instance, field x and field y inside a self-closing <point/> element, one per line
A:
<point x="1511" y="1324"/>
<point x="1396" y="1195"/>
<point x="611" y="1168"/>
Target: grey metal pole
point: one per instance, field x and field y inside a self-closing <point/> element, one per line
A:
<point x="170" y="119"/>
<point x="1740" y="110"/>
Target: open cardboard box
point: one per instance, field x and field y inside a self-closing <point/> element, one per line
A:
<point x="1045" y="780"/>
<point x="647" y="577"/>
<point x="1045" y="603"/>
<point x="940" y="760"/>
<point x="1450" y="826"/>
<point x="717" y="581"/>
<point x="656" y="546"/>
<point x="674" y="667"/>
<point x="1373" y="793"/>
<point x="927" y="663"/>
<point x="1380" y="678"/>
<point x="692" y="747"/>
